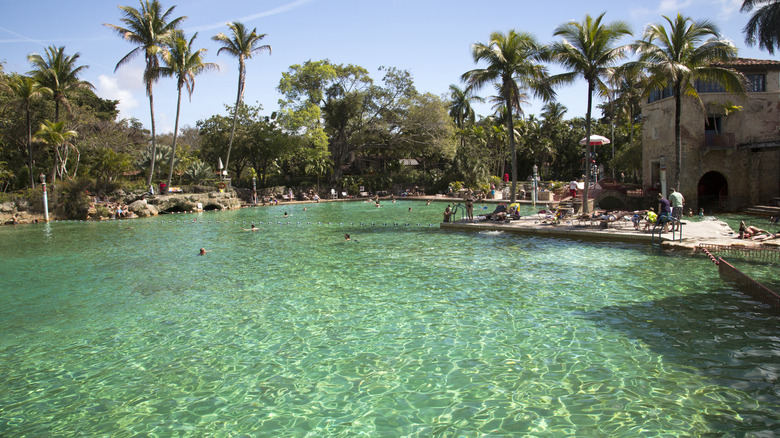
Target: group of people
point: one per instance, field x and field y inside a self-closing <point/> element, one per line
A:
<point x="670" y="211"/>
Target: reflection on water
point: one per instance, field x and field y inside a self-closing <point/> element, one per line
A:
<point x="410" y="330"/>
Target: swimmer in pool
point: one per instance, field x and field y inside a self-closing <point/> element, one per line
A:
<point x="203" y="251"/>
<point x="252" y="228"/>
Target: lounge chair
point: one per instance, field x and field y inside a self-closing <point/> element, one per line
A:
<point x="613" y="218"/>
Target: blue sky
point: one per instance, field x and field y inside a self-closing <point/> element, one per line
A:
<point x="430" y="38"/>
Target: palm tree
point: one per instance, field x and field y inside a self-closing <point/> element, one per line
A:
<point x="58" y="72"/>
<point x="460" y="105"/>
<point x="553" y="112"/>
<point x="55" y="135"/>
<point x="678" y="56"/>
<point x="460" y="108"/>
<point x="512" y="60"/>
<point x="242" y="44"/>
<point x="25" y="89"/>
<point x="627" y="84"/>
<point x="184" y="64"/>
<point x="588" y="49"/>
<point x="764" y="25"/>
<point x="147" y="27"/>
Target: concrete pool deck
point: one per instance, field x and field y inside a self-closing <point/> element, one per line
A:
<point x="714" y="232"/>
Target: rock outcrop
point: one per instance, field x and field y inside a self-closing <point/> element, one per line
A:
<point x="177" y="202"/>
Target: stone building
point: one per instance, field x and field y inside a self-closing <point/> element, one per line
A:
<point x="730" y="155"/>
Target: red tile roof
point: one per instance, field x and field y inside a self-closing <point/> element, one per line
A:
<point x="752" y="64"/>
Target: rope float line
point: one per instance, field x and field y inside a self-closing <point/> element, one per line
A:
<point x="362" y="224"/>
<point x="751" y="253"/>
<point x="743" y="281"/>
<point x="709" y="254"/>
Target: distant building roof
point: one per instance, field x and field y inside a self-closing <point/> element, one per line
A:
<point x="408" y="162"/>
<point x="750" y="64"/>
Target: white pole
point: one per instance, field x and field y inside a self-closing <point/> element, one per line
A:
<point x="45" y="199"/>
<point x="536" y="170"/>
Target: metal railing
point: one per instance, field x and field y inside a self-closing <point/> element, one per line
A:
<point x="748" y="285"/>
<point x="750" y="253"/>
<point x="672" y="221"/>
<point x="714" y="140"/>
<point x="745" y="283"/>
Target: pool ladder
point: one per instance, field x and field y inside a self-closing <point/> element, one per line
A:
<point x="659" y="227"/>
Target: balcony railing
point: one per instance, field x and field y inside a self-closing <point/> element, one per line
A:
<point x="714" y="140"/>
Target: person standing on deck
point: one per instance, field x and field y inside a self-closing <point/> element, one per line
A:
<point x="677" y="200"/>
<point x="664" y="212"/>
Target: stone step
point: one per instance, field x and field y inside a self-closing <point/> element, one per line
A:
<point x="763" y="210"/>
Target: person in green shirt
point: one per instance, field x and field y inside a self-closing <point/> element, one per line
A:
<point x="677" y="200"/>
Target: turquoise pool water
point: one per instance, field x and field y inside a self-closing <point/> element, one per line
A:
<point x="120" y="329"/>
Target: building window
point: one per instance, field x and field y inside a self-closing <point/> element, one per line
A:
<point x="712" y="124"/>
<point x="756" y="83"/>
<point x="658" y="94"/>
<point x="703" y="86"/>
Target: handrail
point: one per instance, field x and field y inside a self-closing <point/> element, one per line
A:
<point x="749" y="253"/>
<point x="672" y="220"/>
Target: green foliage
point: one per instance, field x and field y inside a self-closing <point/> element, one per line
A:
<point x="71" y="200"/>
<point x="198" y="172"/>
<point x="340" y="106"/>
<point x="102" y="211"/>
<point x="107" y="164"/>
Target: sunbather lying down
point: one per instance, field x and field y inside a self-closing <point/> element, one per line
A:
<point x="746" y="232"/>
<point x="498" y="214"/>
<point x="767" y="237"/>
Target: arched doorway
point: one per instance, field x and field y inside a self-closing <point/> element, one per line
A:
<point x="713" y="190"/>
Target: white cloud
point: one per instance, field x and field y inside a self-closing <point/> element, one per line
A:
<point x="729" y="8"/>
<point x="248" y="18"/>
<point x="163" y="123"/>
<point x="667" y="7"/>
<point x="110" y="88"/>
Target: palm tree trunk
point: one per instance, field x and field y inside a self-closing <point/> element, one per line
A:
<point x="29" y="148"/>
<point x="154" y="144"/>
<point x="54" y="166"/>
<point x="585" y="208"/>
<point x="511" y="125"/>
<point x="175" y="134"/>
<point x="235" y="114"/>
<point x="677" y="134"/>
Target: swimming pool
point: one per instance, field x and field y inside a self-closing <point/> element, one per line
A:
<point x="119" y="328"/>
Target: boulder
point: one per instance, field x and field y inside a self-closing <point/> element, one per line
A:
<point x="142" y="209"/>
<point x="22" y="204"/>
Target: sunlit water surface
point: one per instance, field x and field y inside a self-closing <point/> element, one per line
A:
<point x="120" y="329"/>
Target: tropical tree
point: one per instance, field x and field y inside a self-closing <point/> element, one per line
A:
<point x="679" y="55"/>
<point x="148" y="28"/>
<point x="58" y="137"/>
<point x="198" y="171"/>
<point x="588" y="50"/>
<point x="513" y="63"/>
<point x="243" y="45"/>
<point x="553" y="112"/>
<point x="183" y="63"/>
<point x="58" y="72"/>
<point x="460" y="105"/>
<point x="25" y="90"/>
<point x="764" y="24"/>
